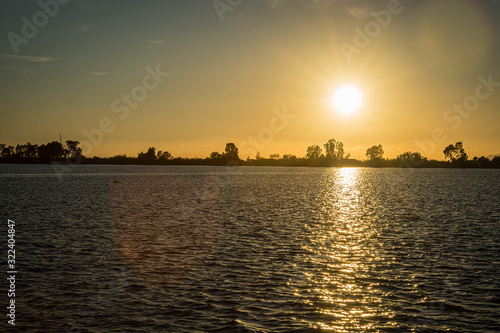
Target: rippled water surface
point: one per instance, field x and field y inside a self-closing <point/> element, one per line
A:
<point x="209" y="249"/>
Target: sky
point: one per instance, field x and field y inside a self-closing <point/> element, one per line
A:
<point x="190" y="76"/>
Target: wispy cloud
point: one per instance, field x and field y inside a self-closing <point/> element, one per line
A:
<point x="153" y="42"/>
<point x="9" y="68"/>
<point x="28" y="58"/>
<point x="95" y="75"/>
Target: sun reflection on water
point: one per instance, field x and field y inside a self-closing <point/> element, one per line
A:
<point x="346" y="253"/>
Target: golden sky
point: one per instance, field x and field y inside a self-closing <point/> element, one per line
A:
<point x="233" y="68"/>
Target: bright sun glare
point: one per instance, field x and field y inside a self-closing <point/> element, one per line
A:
<point x="347" y="99"/>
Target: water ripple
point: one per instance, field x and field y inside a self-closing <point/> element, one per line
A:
<point x="195" y="249"/>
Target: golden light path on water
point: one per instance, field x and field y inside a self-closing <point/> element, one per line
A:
<point x="345" y="244"/>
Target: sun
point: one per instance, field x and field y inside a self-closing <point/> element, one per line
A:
<point x="347" y="99"/>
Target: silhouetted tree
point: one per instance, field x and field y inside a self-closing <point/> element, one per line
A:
<point x="7" y="151"/>
<point x="20" y="151"/>
<point x="455" y="153"/>
<point x="163" y="156"/>
<point x="74" y="152"/>
<point x="215" y="155"/>
<point x="313" y="152"/>
<point x="274" y="156"/>
<point x="51" y="152"/>
<point x="334" y="150"/>
<point x="481" y="162"/>
<point x="411" y="159"/>
<point x="231" y="153"/>
<point x="148" y="157"/>
<point x="375" y="153"/>
<point x="495" y="162"/>
<point x="31" y="150"/>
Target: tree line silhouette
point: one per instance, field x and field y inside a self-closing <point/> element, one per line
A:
<point x="332" y="154"/>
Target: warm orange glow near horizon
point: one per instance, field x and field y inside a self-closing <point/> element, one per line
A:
<point x="397" y="86"/>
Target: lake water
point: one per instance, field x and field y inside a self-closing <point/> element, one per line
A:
<point x="262" y="249"/>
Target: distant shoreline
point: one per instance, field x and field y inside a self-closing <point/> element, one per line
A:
<point x="394" y="163"/>
<point x="333" y="155"/>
